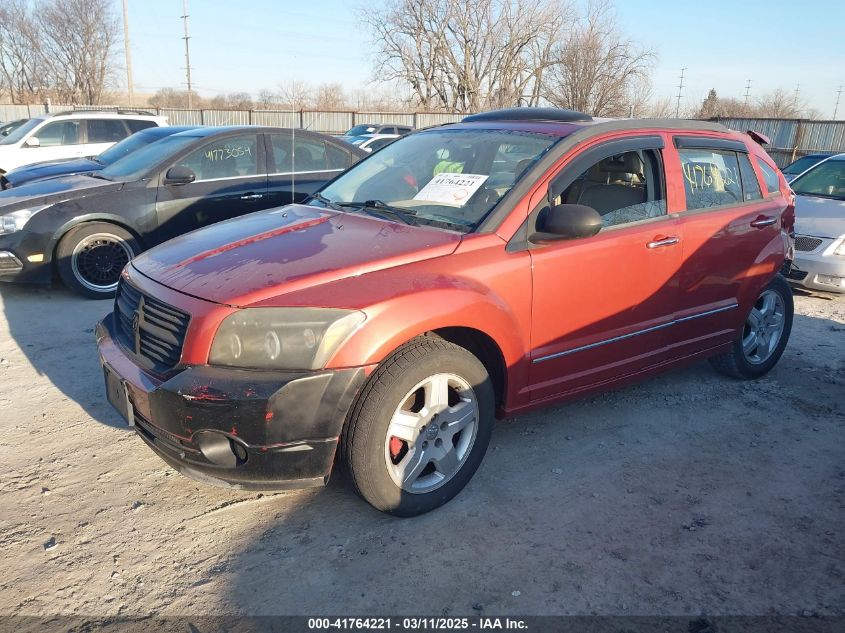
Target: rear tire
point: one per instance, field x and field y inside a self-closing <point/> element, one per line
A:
<point x="764" y="335"/>
<point x="420" y="427"/>
<point x="90" y="257"/>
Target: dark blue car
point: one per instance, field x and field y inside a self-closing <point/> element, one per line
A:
<point x="69" y="166"/>
<point x="798" y="167"/>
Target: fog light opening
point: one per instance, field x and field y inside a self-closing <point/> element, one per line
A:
<point x="221" y="450"/>
<point x="240" y="452"/>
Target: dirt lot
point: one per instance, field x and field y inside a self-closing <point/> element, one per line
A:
<point x="685" y="494"/>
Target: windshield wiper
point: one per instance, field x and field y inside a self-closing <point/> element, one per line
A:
<point x="96" y="174"/>
<point x="329" y="203"/>
<point x="380" y="208"/>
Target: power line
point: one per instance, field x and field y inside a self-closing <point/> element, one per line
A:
<point x="187" y="51"/>
<point x="680" y="91"/>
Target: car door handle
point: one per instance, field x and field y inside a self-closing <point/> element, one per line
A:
<point x="252" y="196"/>
<point x="660" y="242"/>
<point x="763" y="221"/>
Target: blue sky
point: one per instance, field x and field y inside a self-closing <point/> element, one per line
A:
<point x="255" y="44"/>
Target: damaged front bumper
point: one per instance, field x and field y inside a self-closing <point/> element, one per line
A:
<point x="242" y="428"/>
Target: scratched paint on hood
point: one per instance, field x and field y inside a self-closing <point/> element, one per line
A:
<point x="266" y="254"/>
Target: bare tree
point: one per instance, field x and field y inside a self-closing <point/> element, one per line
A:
<point x="21" y="71"/>
<point x="662" y="108"/>
<point x="297" y="95"/>
<point x="466" y="56"/>
<point x="379" y="100"/>
<point x="232" y="101"/>
<point x="777" y="104"/>
<point x="268" y="100"/>
<point x="639" y="97"/>
<point x="77" y="40"/>
<point x="780" y="104"/>
<point x="596" y="65"/>
<point x="172" y="98"/>
<point x="715" y="106"/>
<point x="329" y="96"/>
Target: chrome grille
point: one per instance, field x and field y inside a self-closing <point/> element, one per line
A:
<point x="806" y="244"/>
<point x="154" y="330"/>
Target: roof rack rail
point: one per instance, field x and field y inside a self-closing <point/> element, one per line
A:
<point x="530" y="114"/>
<point x="110" y="110"/>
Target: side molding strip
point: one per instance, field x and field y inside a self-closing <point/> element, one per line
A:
<point x="633" y="334"/>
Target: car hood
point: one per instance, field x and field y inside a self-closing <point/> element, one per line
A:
<point x="52" y="168"/>
<point x="259" y="257"/>
<point x="53" y="190"/>
<point x="819" y="217"/>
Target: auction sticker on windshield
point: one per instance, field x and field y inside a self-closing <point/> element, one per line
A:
<point x="450" y="188"/>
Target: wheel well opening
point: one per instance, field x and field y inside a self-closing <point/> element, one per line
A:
<point x="129" y="229"/>
<point x="482" y="347"/>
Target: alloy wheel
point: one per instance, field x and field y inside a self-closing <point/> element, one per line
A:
<point x="431" y="433"/>
<point x="98" y="259"/>
<point x="763" y="328"/>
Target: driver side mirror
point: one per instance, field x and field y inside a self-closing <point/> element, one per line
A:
<point x="566" y="222"/>
<point x="179" y="175"/>
<point x="32" y="141"/>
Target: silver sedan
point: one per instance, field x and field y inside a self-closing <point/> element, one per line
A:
<point x="820" y="226"/>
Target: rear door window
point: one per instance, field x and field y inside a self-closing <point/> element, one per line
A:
<point x="302" y="155"/>
<point x="711" y="178"/>
<point x="106" y="131"/>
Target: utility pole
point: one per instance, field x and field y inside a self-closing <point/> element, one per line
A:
<point x="680" y="91"/>
<point x="836" y="107"/>
<point x="187" y="51"/>
<point x="129" y="86"/>
<point x="747" y="90"/>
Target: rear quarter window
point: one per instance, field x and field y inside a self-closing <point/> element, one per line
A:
<point x="750" y="184"/>
<point x="136" y="125"/>
<point x="770" y="177"/>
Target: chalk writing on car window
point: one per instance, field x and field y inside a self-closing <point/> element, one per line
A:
<point x="710" y="176"/>
<point x="227" y="152"/>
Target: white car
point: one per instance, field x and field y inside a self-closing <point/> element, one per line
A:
<point x="70" y="135"/>
<point x="820" y="226"/>
<point x="372" y="142"/>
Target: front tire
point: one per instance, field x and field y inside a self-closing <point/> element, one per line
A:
<point x="764" y="335"/>
<point x="90" y="257"/>
<point x="420" y="428"/>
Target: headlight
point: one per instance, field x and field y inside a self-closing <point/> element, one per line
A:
<point x="840" y="250"/>
<point x="282" y="338"/>
<point x="15" y="221"/>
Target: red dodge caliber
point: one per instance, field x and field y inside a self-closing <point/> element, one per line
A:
<point x="462" y="273"/>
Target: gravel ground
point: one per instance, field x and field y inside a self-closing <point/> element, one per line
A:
<point x="685" y="494"/>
